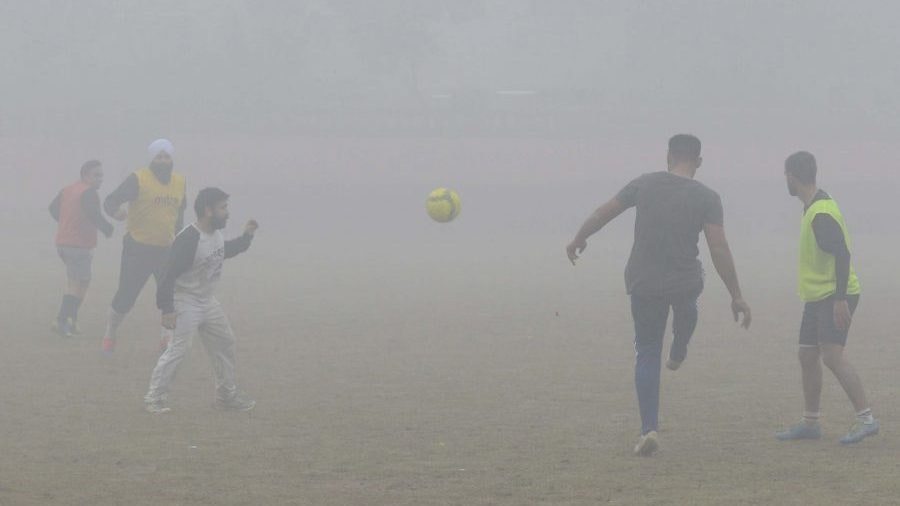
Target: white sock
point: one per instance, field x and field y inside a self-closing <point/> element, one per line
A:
<point x="810" y="418"/>
<point x="865" y="416"/>
<point x="113" y="322"/>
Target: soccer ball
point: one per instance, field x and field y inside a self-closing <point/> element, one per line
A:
<point x="443" y="205"/>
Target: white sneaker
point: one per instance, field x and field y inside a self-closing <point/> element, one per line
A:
<point x="647" y="445"/>
<point x="156" y="407"/>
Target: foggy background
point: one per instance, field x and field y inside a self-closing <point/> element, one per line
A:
<point x="338" y="117"/>
<point x="329" y="122"/>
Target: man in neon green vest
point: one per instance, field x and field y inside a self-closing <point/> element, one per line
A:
<point x="829" y="287"/>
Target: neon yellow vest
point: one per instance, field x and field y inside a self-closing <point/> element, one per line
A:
<point x="817" y="279"/>
<point x="153" y="215"/>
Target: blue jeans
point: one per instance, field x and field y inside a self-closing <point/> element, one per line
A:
<point x="650" y="317"/>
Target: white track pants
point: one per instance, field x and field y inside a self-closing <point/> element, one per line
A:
<point x="210" y="322"/>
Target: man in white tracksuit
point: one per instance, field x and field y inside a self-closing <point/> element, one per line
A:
<point x="186" y="297"/>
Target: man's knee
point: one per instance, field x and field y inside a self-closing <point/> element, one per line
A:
<point x="808" y="356"/>
<point x="833" y="356"/>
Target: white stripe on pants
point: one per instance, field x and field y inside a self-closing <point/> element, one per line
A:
<point x="211" y="323"/>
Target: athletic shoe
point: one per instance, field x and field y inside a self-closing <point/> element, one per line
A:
<point x="860" y="431"/>
<point x="76" y="330"/>
<point x="802" y="430"/>
<point x="63" y="329"/>
<point x="156" y="407"/>
<point x="109" y="346"/>
<point x="647" y="445"/>
<point x="236" y="403"/>
<point x="673" y="365"/>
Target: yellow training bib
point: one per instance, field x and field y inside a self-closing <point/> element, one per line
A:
<point x="153" y="215"/>
<point x="817" y="278"/>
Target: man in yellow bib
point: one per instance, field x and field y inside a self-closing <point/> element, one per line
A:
<point x="829" y="287"/>
<point x="156" y="202"/>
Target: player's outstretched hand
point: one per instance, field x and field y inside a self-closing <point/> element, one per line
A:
<point x="251" y="227"/>
<point x="740" y="307"/>
<point x="168" y="321"/>
<point x="575" y="248"/>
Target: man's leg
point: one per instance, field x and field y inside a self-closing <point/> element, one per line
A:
<point x="866" y="425"/>
<point x="78" y="288"/>
<point x="650" y="315"/>
<point x="218" y="339"/>
<point x="811" y="374"/>
<point x="134" y="273"/>
<point x="833" y="345"/>
<point x="685" y="311"/>
<point x="188" y="320"/>
<point x="811" y="377"/>
<point x="78" y="273"/>
<point x="833" y="356"/>
<point x="165" y="335"/>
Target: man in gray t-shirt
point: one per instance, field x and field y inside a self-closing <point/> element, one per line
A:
<point x="664" y="271"/>
<point x="671" y="212"/>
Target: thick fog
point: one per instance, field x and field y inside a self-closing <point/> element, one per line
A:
<point x="547" y="107"/>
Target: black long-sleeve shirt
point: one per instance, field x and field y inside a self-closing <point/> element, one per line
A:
<point x="830" y="238"/>
<point x="90" y="205"/>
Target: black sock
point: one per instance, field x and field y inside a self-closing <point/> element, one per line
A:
<point x="63" y="310"/>
<point x="75" y="307"/>
<point x="69" y="308"/>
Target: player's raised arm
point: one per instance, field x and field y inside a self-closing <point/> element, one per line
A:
<point x="238" y="245"/>
<point x="596" y="221"/>
<point x="724" y="263"/>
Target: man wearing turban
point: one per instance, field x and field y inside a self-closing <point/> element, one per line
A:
<point x="156" y="198"/>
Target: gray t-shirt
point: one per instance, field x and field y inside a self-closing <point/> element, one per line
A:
<point x="671" y="212"/>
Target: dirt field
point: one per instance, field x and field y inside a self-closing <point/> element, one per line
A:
<point x="440" y="371"/>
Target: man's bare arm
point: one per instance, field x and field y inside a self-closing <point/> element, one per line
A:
<point x="596" y="221"/>
<point x="724" y="263"/>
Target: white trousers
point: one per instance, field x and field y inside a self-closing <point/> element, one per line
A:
<point x="210" y="322"/>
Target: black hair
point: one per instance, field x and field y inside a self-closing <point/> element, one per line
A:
<point x="208" y="197"/>
<point x="89" y="166"/>
<point x="802" y="165"/>
<point x="684" y="148"/>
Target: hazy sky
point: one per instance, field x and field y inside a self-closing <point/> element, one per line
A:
<point x="244" y="87"/>
<point x="824" y="65"/>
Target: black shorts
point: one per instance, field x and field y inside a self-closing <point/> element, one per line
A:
<point x="818" y="325"/>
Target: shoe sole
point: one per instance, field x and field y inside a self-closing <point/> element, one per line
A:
<point x="158" y="411"/>
<point x="647" y="446"/>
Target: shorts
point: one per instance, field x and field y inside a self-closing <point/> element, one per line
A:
<point x="78" y="262"/>
<point x="818" y="325"/>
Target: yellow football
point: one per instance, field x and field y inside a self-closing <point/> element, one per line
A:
<point x="443" y="205"/>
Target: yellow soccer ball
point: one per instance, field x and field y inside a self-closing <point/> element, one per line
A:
<point x="443" y="205"/>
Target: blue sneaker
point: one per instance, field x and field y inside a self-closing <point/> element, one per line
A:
<point x="802" y="430"/>
<point x="860" y="431"/>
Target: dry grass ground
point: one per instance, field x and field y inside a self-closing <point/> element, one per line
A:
<point x="468" y="373"/>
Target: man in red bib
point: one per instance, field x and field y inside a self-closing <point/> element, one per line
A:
<point x="77" y="210"/>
